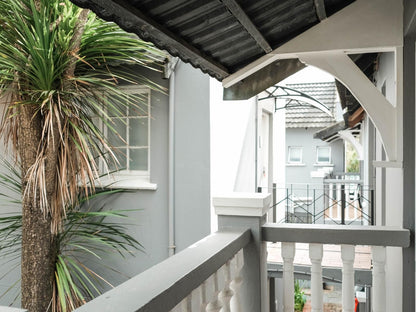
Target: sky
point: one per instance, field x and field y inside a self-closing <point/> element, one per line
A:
<point x="308" y="74"/>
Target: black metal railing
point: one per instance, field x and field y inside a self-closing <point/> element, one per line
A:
<point x="336" y="201"/>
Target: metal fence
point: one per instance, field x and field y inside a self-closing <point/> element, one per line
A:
<point x="336" y="201"/>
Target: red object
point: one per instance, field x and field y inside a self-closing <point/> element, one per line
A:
<point x="356" y="305"/>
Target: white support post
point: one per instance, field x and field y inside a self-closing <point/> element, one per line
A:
<point x="288" y="255"/>
<point x="348" y="295"/>
<point x="248" y="211"/>
<point x="316" y="254"/>
<point x="379" y="278"/>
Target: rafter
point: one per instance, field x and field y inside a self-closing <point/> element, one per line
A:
<point x="246" y="22"/>
<point x="320" y="9"/>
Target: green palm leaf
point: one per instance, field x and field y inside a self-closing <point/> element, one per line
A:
<point x="88" y="231"/>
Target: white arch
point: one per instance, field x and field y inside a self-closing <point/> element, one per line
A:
<point x="381" y="112"/>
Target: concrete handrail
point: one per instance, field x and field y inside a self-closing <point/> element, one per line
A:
<point x="335" y="234"/>
<point x="165" y="285"/>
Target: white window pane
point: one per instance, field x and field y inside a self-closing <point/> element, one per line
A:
<point x="138" y="159"/>
<point x="121" y="156"/>
<point x="116" y="108"/>
<point x="138" y="135"/>
<point x="295" y="154"/>
<point x="323" y="154"/>
<point x="116" y="137"/>
<point x="140" y="109"/>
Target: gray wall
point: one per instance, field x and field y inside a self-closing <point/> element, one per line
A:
<point x="192" y="155"/>
<point x="304" y="138"/>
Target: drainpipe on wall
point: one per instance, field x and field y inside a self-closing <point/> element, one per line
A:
<point x="170" y="73"/>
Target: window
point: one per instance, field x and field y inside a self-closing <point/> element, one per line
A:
<point x="323" y="155"/>
<point x="131" y="136"/>
<point x="295" y="155"/>
<point x="131" y="143"/>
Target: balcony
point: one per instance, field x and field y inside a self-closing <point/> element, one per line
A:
<point x="227" y="270"/>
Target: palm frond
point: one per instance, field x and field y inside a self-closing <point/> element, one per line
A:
<point x="37" y="52"/>
<point x="88" y="231"/>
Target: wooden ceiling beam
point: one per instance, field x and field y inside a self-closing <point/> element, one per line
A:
<point x="246" y="22"/>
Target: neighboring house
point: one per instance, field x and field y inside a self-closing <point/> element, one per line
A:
<point x="309" y="160"/>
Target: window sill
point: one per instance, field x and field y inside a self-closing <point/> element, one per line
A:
<point x="324" y="165"/>
<point x="295" y="165"/>
<point x="128" y="182"/>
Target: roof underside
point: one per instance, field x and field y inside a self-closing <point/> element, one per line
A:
<point x="217" y="36"/>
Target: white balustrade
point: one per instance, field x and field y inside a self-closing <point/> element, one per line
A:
<point x="288" y="255"/>
<point x="203" y="296"/>
<point x="220" y="292"/>
<point x="315" y="255"/>
<point x="213" y="283"/>
<point x="226" y="294"/>
<point x="379" y="278"/>
<point x="184" y="305"/>
<point x="348" y="295"/>
<point x="235" y="285"/>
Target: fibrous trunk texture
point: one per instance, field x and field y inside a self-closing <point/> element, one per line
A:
<point x="38" y="243"/>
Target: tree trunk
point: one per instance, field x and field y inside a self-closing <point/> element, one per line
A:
<point x="38" y="244"/>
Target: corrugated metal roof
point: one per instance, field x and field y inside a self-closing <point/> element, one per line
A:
<point x="218" y="36"/>
<point x="308" y="116"/>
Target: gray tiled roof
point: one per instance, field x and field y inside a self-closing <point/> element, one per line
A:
<point x="308" y="116"/>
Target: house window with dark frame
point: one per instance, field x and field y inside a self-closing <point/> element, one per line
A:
<point x="295" y="155"/>
<point x="323" y="155"/>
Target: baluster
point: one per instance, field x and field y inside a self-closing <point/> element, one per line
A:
<point x="235" y="285"/>
<point x="203" y="296"/>
<point x="348" y="296"/>
<point x="288" y="254"/>
<point x="226" y="294"/>
<point x="331" y="200"/>
<point x="379" y="278"/>
<point x="214" y="304"/>
<point x="338" y="199"/>
<point x="184" y="305"/>
<point x="315" y="254"/>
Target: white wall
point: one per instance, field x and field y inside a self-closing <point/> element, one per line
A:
<point x="233" y="137"/>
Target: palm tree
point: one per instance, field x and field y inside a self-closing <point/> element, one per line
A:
<point x="59" y="68"/>
<point x="89" y="231"/>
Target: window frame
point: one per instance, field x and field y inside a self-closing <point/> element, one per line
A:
<point x="126" y="178"/>
<point x="329" y="162"/>
<point x="289" y="160"/>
